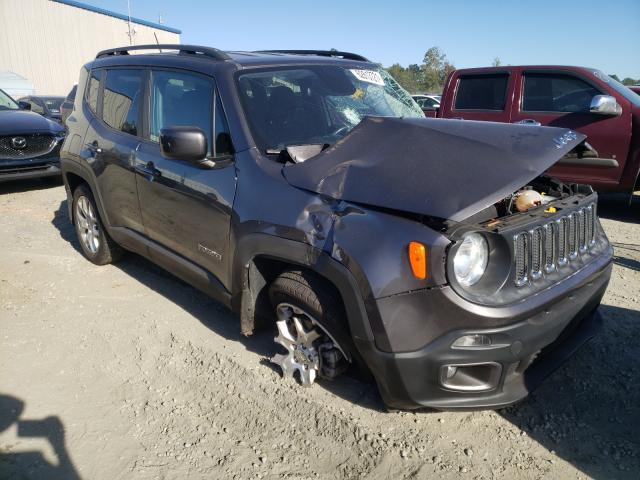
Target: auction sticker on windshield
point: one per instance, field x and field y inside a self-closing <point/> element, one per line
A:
<point x="369" y="76"/>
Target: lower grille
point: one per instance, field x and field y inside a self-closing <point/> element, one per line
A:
<point x="16" y="147"/>
<point x="552" y="246"/>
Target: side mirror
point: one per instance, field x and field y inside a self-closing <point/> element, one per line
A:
<point x="24" y="105"/>
<point x="184" y="143"/>
<point x="605" y="105"/>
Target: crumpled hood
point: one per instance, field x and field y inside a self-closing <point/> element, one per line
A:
<point x="13" y="122"/>
<point x="450" y="169"/>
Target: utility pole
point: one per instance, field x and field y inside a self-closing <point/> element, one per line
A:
<point x="131" y="33"/>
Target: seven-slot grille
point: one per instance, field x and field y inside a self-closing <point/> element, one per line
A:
<point x="35" y="145"/>
<point x="553" y="245"/>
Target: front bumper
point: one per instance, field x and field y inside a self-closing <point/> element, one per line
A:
<point x="29" y="168"/>
<point x="523" y="353"/>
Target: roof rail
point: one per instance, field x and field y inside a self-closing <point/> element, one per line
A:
<point x="184" y="49"/>
<point x="322" y="53"/>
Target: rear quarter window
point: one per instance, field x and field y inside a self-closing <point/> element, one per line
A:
<point x="482" y="92"/>
<point x="93" y="86"/>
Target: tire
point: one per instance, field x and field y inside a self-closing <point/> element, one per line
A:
<point x="317" y="298"/>
<point x="95" y="243"/>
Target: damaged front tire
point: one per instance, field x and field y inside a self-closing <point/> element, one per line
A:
<point x="308" y="324"/>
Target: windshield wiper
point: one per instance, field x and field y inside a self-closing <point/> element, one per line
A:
<point x="297" y="153"/>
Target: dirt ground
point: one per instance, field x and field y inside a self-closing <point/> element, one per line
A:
<point x="125" y="372"/>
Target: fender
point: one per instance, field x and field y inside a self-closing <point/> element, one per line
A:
<point x="257" y="245"/>
<point x="88" y="176"/>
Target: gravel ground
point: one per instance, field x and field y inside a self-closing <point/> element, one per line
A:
<point x="125" y="372"/>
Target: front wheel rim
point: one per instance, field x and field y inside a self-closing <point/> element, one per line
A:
<point x="87" y="224"/>
<point x="304" y="339"/>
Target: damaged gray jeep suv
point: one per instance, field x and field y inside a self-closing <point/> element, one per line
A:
<point x="306" y="191"/>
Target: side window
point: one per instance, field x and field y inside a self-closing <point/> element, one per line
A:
<point x="180" y="99"/>
<point x="482" y="92"/>
<point x="544" y="92"/>
<point x="223" y="137"/>
<point x="121" y="100"/>
<point x="93" y="85"/>
<point x="35" y="106"/>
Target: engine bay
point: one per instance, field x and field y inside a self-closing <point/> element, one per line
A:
<point x="543" y="195"/>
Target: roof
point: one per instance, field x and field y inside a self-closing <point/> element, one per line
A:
<point x="164" y="53"/>
<point x="503" y="68"/>
<point x="102" y="11"/>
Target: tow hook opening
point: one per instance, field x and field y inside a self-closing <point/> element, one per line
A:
<point x="471" y="378"/>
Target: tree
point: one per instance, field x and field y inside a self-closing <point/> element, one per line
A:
<point x="427" y="77"/>
<point x="496" y="62"/>
<point x="628" y="81"/>
<point x="615" y="77"/>
<point x="436" y="67"/>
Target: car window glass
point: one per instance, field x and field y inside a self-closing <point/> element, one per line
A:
<point x="556" y="93"/>
<point x="318" y="104"/>
<point x="121" y="99"/>
<point x="180" y="99"/>
<point x="35" y="106"/>
<point x="72" y="94"/>
<point x="482" y="92"/>
<point x="53" y="103"/>
<point x="92" y="90"/>
<point x="222" y="135"/>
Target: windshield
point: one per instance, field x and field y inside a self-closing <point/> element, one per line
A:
<point x="634" y="98"/>
<point x="53" y="103"/>
<point x="7" y="103"/>
<point x="318" y="104"/>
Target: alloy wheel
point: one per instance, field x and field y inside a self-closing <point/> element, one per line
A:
<point x="87" y="222"/>
<point x="306" y="343"/>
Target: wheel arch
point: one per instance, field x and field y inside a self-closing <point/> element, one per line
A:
<point x="263" y="257"/>
<point x="74" y="175"/>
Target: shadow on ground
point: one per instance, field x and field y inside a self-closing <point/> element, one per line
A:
<point x="615" y="206"/>
<point x="16" y="462"/>
<point x="588" y="412"/>
<point x="32" y="184"/>
<point x="215" y="316"/>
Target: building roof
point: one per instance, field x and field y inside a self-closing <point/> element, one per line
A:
<point x="121" y="16"/>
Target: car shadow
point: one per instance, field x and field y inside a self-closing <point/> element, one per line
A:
<point x="33" y="464"/>
<point x="588" y="412"/>
<point x="18" y="186"/>
<point x="216" y="316"/>
<point x="615" y="206"/>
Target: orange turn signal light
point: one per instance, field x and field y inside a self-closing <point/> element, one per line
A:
<point x="418" y="259"/>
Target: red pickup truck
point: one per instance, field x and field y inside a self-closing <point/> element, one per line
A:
<point x="583" y="99"/>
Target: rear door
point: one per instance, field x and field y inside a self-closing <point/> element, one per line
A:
<point x="114" y="98"/>
<point x="186" y="208"/>
<point x="562" y="98"/>
<point x="480" y="96"/>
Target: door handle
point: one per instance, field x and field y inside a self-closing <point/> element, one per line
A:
<point x="529" y="121"/>
<point x="93" y="148"/>
<point x="148" y="170"/>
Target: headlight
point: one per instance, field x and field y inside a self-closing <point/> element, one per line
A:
<point x="471" y="259"/>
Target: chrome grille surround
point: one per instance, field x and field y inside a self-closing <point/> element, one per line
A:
<point x="554" y="245"/>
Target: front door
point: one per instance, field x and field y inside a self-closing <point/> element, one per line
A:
<point x="187" y="208"/>
<point x="562" y="99"/>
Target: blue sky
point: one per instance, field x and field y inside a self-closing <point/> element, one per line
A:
<point x="591" y="33"/>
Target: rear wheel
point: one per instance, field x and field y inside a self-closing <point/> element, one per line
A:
<point x="95" y="242"/>
<point x="309" y="322"/>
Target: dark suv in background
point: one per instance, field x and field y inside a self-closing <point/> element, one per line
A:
<point x="47" y="106"/>
<point x="29" y="143"/>
<point x="306" y="191"/>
